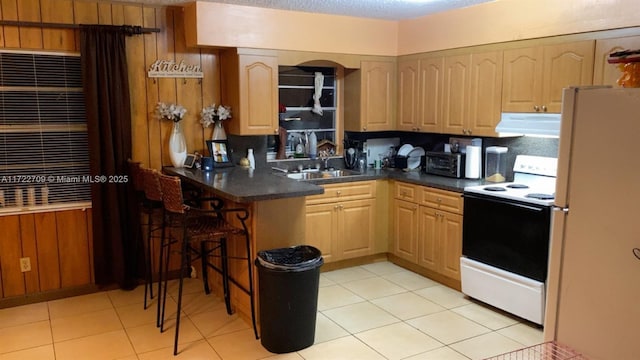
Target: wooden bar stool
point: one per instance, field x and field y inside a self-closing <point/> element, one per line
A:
<point x="204" y="234"/>
<point x="154" y="209"/>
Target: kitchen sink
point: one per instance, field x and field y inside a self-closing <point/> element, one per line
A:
<point x="327" y="174"/>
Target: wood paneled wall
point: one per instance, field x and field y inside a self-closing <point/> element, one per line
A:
<point x="61" y="255"/>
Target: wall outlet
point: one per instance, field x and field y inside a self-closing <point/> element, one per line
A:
<point x="25" y="264"/>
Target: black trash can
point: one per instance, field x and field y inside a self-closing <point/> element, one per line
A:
<point x="288" y="292"/>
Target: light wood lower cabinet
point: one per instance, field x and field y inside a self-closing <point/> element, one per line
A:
<point x="341" y="222"/>
<point x="427" y="228"/>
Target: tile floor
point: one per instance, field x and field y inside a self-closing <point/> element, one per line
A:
<point x="375" y="311"/>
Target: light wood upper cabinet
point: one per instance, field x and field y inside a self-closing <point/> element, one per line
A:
<point x="408" y="84"/>
<point x="603" y="72"/>
<point x="431" y="80"/>
<point x="534" y="77"/>
<point x="420" y="94"/>
<point x="472" y="93"/>
<point x="250" y="87"/>
<point x="485" y="95"/>
<point x="455" y="97"/>
<point x="370" y="97"/>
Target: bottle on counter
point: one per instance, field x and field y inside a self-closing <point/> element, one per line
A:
<point x="251" y="158"/>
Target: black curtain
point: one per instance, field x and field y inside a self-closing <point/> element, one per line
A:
<point x="106" y="89"/>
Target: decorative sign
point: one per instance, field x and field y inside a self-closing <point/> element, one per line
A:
<point x="171" y="69"/>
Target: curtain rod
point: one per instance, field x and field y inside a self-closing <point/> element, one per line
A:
<point x="130" y="29"/>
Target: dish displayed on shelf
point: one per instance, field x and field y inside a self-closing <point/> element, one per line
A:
<point x="405" y="150"/>
<point x="414" y="157"/>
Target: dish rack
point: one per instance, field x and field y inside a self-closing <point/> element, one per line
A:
<point x="545" y="351"/>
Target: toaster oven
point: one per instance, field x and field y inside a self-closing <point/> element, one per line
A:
<point x="444" y="164"/>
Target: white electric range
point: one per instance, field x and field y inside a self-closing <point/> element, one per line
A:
<point x="505" y="239"/>
<point x="534" y="181"/>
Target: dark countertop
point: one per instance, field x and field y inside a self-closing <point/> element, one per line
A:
<point x="243" y="185"/>
<point x="414" y="177"/>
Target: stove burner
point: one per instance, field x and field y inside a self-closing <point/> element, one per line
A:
<point x="540" y="196"/>
<point x="518" y="186"/>
<point x="495" y="188"/>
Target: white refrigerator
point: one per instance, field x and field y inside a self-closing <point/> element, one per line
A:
<point x="593" y="301"/>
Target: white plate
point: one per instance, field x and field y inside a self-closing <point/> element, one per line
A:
<point x="405" y="150"/>
<point x="414" y="158"/>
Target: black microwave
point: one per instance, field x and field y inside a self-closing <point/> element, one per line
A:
<point x="444" y="164"/>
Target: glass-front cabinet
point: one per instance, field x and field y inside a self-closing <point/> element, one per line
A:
<point x="307" y="107"/>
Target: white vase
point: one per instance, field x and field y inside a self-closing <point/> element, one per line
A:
<point x="177" y="146"/>
<point x="218" y="131"/>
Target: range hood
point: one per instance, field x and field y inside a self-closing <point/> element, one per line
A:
<point x="536" y="124"/>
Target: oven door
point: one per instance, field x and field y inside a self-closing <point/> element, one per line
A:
<point x="508" y="235"/>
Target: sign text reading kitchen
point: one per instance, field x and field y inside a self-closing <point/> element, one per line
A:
<point x="169" y="68"/>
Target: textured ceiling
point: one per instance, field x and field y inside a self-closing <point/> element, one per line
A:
<point x="380" y="9"/>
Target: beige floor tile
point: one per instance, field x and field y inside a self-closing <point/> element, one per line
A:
<point x="134" y="315"/>
<point x="335" y="296"/>
<point x="484" y="346"/>
<point x="410" y="280"/>
<point x="113" y="345"/>
<point x="239" y="345"/>
<point x="79" y="305"/>
<point x="360" y="317"/>
<point x="448" y="327"/>
<point x="485" y="316"/>
<point x="189" y="286"/>
<point x="348" y="274"/>
<point x="325" y="282"/>
<point x="147" y="338"/>
<point x="443" y="353"/>
<point x="398" y="341"/>
<point x="218" y="322"/>
<point x="199" y="350"/>
<point x="346" y="348"/>
<point x="199" y="302"/>
<point x="44" y="352"/>
<point x="444" y="296"/>
<point x="373" y="288"/>
<point x="93" y="323"/>
<point x="383" y="268"/>
<point x="128" y="297"/>
<point x="24" y="314"/>
<point x="25" y="336"/>
<point x="289" y="356"/>
<point x="327" y="330"/>
<point x="407" y="305"/>
<point x="525" y="334"/>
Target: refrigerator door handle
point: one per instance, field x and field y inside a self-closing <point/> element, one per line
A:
<point x="560" y="208"/>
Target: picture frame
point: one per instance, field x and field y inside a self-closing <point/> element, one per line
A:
<point x="220" y="152"/>
<point x="190" y="161"/>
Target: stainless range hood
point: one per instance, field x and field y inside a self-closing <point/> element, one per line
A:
<point x="535" y="124"/>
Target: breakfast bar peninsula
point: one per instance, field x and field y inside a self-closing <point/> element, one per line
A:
<point x="276" y="207"/>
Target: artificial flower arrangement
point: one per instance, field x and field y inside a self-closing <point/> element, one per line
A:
<point x="211" y="114"/>
<point x="171" y="112"/>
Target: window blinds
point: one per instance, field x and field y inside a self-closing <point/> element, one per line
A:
<point x="44" y="157"/>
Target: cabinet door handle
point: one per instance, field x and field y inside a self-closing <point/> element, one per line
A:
<point x="338" y="193"/>
<point x="439" y="200"/>
<point x="364" y="128"/>
<point x="335" y="207"/>
<point x="340" y="207"/>
<point x="544" y="108"/>
<point x="536" y="108"/>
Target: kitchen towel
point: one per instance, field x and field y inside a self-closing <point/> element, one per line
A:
<point x="473" y="162"/>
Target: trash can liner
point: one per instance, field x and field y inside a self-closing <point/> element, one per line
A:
<point x="295" y="258"/>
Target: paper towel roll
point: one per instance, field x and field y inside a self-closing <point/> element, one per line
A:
<point x="473" y="162"/>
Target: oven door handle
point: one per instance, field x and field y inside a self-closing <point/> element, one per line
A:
<point x="503" y="201"/>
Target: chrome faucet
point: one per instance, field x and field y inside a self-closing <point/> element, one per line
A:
<point x="324" y="156"/>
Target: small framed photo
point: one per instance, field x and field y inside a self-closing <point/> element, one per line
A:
<point x="219" y="151"/>
<point x="190" y="161"/>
